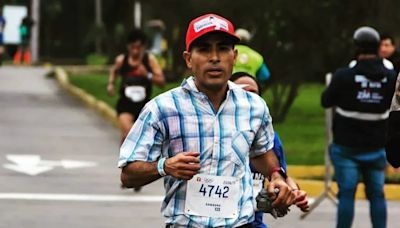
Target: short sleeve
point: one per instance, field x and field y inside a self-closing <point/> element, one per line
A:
<point x="144" y="141"/>
<point x="264" y="140"/>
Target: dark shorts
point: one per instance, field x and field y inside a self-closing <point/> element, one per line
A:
<point x="124" y="105"/>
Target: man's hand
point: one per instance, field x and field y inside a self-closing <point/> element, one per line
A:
<point x="110" y="89"/>
<point x="183" y="165"/>
<point x="301" y="200"/>
<point x="285" y="197"/>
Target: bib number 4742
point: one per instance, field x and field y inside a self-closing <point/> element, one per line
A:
<point x="213" y="196"/>
<point x="214" y="191"/>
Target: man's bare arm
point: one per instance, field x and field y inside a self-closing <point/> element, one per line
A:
<point x="265" y="162"/>
<point x="113" y="74"/>
<point x="182" y="166"/>
<point x="139" y="173"/>
<point x="158" y="75"/>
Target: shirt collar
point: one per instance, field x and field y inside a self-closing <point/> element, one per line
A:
<point x="189" y="85"/>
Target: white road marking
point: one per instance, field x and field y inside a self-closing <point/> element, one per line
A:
<point x="32" y="164"/>
<point x="80" y="197"/>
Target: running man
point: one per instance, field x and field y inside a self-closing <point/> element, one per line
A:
<point x="200" y="137"/>
<point x="138" y="70"/>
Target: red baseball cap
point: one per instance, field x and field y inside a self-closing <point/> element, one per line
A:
<point x="209" y="23"/>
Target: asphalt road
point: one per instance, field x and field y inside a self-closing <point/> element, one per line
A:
<point x="58" y="165"/>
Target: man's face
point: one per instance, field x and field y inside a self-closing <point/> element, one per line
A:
<point x="135" y="49"/>
<point x="386" y="48"/>
<point x="211" y="60"/>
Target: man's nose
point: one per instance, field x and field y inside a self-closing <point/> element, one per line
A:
<point x="214" y="55"/>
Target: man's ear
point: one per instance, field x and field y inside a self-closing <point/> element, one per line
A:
<point x="235" y="53"/>
<point x="186" y="56"/>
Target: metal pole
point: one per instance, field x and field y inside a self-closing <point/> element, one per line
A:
<point x="35" y="5"/>
<point x="328" y="192"/>
<point x="137" y="14"/>
<point x="99" y="24"/>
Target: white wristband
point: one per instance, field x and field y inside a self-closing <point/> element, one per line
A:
<point x="160" y="167"/>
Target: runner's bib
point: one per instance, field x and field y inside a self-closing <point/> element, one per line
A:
<point x="213" y="196"/>
<point x="135" y="93"/>
<point x="257" y="186"/>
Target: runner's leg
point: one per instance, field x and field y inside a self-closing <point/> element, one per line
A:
<point x="126" y="121"/>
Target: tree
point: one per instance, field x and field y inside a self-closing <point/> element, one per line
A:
<point x="300" y="40"/>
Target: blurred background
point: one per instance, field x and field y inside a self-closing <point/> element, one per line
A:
<point x="300" y="41"/>
<point x="311" y="35"/>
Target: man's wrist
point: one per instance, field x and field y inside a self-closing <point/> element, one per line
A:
<point x="160" y="167"/>
<point x="276" y="176"/>
<point x="277" y="172"/>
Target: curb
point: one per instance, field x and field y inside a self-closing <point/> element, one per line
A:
<point x="100" y="106"/>
<point x="301" y="171"/>
<point x="313" y="187"/>
<point x="316" y="188"/>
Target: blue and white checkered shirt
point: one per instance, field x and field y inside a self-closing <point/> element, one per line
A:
<point x="183" y="119"/>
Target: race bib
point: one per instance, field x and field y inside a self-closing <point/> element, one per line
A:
<point x="135" y="93"/>
<point x="213" y="196"/>
<point x="257" y="186"/>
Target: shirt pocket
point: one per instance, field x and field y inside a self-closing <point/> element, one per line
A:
<point x="240" y="147"/>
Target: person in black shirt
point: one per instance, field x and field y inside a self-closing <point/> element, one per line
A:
<point x="138" y="70"/>
<point x="361" y="97"/>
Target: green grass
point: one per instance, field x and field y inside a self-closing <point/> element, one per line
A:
<point x="303" y="132"/>
<point x="96" y="84"/>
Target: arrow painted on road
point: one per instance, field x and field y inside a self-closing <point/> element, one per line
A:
<point x="32" y="164"/>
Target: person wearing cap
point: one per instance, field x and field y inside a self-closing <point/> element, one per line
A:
<point x="200" y="137"/>
<point x="249" y="60"/>
<point x="250" y="84"/>
<point x="361" y="97"/>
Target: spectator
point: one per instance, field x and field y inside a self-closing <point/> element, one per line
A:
<point x="249" y="60"/>
<point x="389" y="51"/>
<point x="361" y="96"/>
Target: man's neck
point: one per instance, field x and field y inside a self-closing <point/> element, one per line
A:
<point x="216" y="96"/>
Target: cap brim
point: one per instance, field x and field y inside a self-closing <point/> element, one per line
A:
<point x="234" y="39"/>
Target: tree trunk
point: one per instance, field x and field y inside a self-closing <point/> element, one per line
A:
<point x="283" y="96"/>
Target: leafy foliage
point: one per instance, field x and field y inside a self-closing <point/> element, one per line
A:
<point x="300" y="40"/>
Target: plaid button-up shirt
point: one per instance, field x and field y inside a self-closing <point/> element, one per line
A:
<point x="183" y="119"/>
